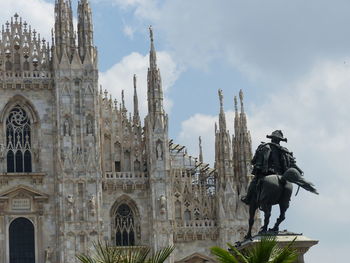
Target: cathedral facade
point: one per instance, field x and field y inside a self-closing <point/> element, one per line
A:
<point x="76" y="167"/>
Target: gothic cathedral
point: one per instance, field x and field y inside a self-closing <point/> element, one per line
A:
<point x="75" y="167"/>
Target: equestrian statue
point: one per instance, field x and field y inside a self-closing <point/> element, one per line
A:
<point x="274" y="170"/>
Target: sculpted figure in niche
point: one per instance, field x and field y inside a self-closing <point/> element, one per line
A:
<point x="232" y="206"/>
<point x="48" y="254"/>
<point x="159" y="151"/>
<point x="70" y="206"/>
<point x="162" y="204"/>
<point x="92" y="205"/>
<point x="2" y="151"/>
<point x="66" y="128"/>
<point x="36" y="155"/>
<point x="89" y="127"/>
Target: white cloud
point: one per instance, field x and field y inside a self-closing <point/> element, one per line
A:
<point x="202" y="125"/>
<point x="40" y="17"/>
<point x="143" y="8"/>
<point x="267" y="39"/>
<point x="120" y="77"/>
<point x="129" y="31"/>
<point x="314" y="115"/>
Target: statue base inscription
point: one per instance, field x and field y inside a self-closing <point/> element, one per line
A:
<point x="302" y="243"/>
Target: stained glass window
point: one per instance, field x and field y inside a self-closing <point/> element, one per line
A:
<point x="18" y="141"/>
<point x="124" y="224"/>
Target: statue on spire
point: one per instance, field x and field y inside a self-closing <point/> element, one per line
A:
<point x="123" y="101"/>
<point x="221" y="98"/>
<point x="151" y="33"/>
<point x="152" y="55"/>
<point x="236" y="104"/>
<point x="136" y="104"/>
<point x="134" y="82"/>
<point x="200" y="149"/>
<point x="241" y="99"/>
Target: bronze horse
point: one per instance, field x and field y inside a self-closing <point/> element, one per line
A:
<point x="272" y="190"/>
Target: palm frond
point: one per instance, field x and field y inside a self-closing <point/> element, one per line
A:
<point x="286" y="254"/>
<point x="262" y="252"/>
<point x="104" y="253"/>
<point x="161" y="255"/>
<point x="133" y="254"/>
<point x="235" y="252"/>
<point x="85" y="259"/>
<point x="223" y="256"/>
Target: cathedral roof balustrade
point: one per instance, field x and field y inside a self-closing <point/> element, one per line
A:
<point x="126" y="181"/>
<point x="196" y="223"/>
<point x="125" y="175"/>
<point x="192" y="233"/>
<point x="33" y="85"/>
<point x="131" y="248"/>
<point x="25" y="74"/>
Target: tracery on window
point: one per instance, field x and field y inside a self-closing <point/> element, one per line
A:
<point x="124" y="226"/>
<point x="18" y="141"/>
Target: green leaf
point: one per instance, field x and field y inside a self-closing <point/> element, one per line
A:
<point x="161" y="255"/>
<point x="85" y="259"/>
<point x="286" y="255"/>
<point x="262" y="251"/>
<point x="223" y="255"/>
<point x="235" y="252"/>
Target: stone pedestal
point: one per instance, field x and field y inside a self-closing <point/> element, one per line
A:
<point x="301" y="244"/>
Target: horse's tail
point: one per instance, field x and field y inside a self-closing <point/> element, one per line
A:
<point x="293" y="175"/>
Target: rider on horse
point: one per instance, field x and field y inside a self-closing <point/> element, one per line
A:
<point x="272" y="158"/>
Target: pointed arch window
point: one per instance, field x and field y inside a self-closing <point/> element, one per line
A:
<point x="125" y="226"/>
<point x="18" y="141"/>
<point x="177" y="209"/>
<point x="187" y="215"/>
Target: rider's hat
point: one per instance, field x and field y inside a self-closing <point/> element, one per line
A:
<point x="277" y="135"/>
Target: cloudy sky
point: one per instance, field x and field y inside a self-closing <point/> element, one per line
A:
<point x="291" y="59"/>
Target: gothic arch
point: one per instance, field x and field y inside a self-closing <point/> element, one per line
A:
<point x="126" y="200"/>
<point x="66" y="91"/>
<point x="88" y="90"/>
<point x="125" y="222"/>
<point x="25" y="104"/>
<point x="19" y="135"/>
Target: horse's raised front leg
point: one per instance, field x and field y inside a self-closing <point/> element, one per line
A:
<point x="252" y="210"/>
<point x="283" y="209"/>
<point x="267" y="213"/>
